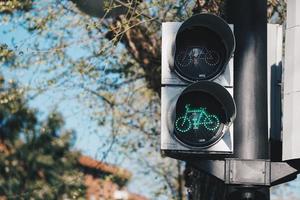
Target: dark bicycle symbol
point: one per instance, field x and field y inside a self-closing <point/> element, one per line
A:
<point x="199" y="117"/>
<point x="197" y="54"/>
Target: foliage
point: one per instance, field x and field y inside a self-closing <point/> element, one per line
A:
<point x="6" y="55"/>
<point x="35" y="157"/>
<point x="8" y="6"/>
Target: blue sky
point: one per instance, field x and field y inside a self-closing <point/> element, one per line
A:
<point x="91" y="139"/>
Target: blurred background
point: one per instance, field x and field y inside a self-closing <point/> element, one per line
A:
<point x="80" y="99"/>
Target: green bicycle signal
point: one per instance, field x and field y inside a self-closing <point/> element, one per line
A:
<point x="199" y="117"/>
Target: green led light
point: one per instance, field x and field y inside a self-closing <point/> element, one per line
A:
<point x="200" y="117"/>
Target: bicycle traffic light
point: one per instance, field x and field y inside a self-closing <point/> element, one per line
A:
<point x="197" y="87"/>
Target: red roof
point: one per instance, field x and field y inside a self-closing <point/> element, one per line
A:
<point x="111" y="169"/>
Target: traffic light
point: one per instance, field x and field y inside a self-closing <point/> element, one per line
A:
<point x="197" y="87"/>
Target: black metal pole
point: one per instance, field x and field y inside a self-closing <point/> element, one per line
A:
<point x="250" y="77"/>
<point x="250" y="81"/>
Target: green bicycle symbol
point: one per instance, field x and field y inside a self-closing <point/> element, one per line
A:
<point x="199" y="117"/>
